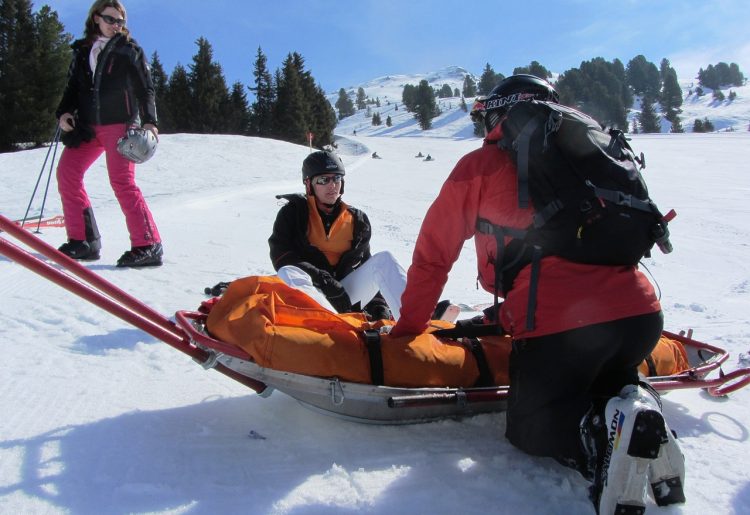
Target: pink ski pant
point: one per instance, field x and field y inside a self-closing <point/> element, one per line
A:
<point x="73" y="165"/>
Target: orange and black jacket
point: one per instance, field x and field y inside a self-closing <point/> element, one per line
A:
<point x="120" y="91"/>
<point x="289" y="243"/>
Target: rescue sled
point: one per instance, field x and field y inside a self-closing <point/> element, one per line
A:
<point x="360" y="402"/>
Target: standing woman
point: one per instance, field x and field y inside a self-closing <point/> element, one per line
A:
<point x="109" y="90"/>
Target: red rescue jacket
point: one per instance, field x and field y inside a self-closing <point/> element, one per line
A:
<point x="483" y="184"/>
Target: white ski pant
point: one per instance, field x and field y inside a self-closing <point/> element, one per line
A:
<point x="381" y="273"/>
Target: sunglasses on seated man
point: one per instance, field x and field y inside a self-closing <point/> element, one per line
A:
<point x="110" y="20"/>
<point x="322" y="180"/>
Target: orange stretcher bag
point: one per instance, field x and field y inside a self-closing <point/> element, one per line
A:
<point x="283" y="329"/>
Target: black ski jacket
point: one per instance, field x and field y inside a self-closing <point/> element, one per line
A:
<point x="289" y="244"/>
<point x="121" y="90"/>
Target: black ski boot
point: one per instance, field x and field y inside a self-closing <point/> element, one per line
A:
<point x="85" y="250"/>
<point x="82" y="250"/>
<point x="147" y="255"/>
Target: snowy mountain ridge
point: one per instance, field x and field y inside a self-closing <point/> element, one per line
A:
<point x="453" y="122"/>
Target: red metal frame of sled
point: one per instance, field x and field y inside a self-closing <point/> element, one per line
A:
<point x="107" y="296"/>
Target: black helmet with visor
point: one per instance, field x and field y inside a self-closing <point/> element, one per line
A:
<point x="516" y="88"/>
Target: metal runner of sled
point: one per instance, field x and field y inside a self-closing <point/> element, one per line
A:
<point x="354" y="401"/>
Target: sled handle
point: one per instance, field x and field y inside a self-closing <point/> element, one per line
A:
<point x="730" y="382"/>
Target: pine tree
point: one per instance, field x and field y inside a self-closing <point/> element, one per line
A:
<point x="209" y="91"/>
<point x="648" y="119"/>
<point x="47" y="76"/>
<point x="676" y="125"/>
<point x="16" y="61"/>
<point x="722" y="74"/>
<point x="318" y="115"/>
<point x="388" y="121"/>
<point x="671" y="93"/>
<point x="599" y="89"/>
<point x="425" y="108"/>
<point x="261" y="117"/>
<point x="470" y="87"/>
<point x="344" y="104"/>
<point x="445" y="91"/>
<point x="643" y="77"/>
<point x="237" y="112"/>
<point x="161" y="85"/>
<point x="361" y="99"/>
<point x="488" y="80"/>
<point x="535" y="69"/>
<point x="289" y="124"/>
<point x="409" y="97"/>
<point x="698" y="126"/>
<point x="178" y="100"/>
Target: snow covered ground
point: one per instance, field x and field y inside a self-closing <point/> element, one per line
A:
<point x="98" y="417"/>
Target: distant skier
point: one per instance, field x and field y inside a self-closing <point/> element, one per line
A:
<point x="375" y="155"/>
<point x="428" y="158"/>
<point x="419" y="155"/>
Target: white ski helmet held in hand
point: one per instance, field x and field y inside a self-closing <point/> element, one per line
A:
<point x="138" y="145"/>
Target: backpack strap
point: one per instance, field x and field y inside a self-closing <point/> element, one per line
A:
<point x="550" y="210"/>
<point x="536" y="266"/>
<point x="622" y="199"/>
<point x="522" y="144"/>
<point x="502" y="263"/>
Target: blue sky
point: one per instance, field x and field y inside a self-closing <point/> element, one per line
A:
<point x="346" y="43"/>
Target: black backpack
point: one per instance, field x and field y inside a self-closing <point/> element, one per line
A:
<point x="584" y="183"/>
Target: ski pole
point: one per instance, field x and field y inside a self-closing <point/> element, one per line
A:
<point x="55" y="138"/>
<point x="49" y="177"/>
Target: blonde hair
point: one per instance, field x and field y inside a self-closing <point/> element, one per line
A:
<point x="91" y="29"/>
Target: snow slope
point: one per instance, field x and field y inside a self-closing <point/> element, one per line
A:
<point x="98" y="417"/>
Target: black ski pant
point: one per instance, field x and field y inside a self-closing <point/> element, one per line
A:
<point x="555" y="379"/>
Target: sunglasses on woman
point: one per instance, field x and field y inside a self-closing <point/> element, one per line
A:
<point x="111" y="20"/>
<point x="322" y="180"/>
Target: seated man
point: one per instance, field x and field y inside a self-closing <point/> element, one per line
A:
<point x="321" y="246"/>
